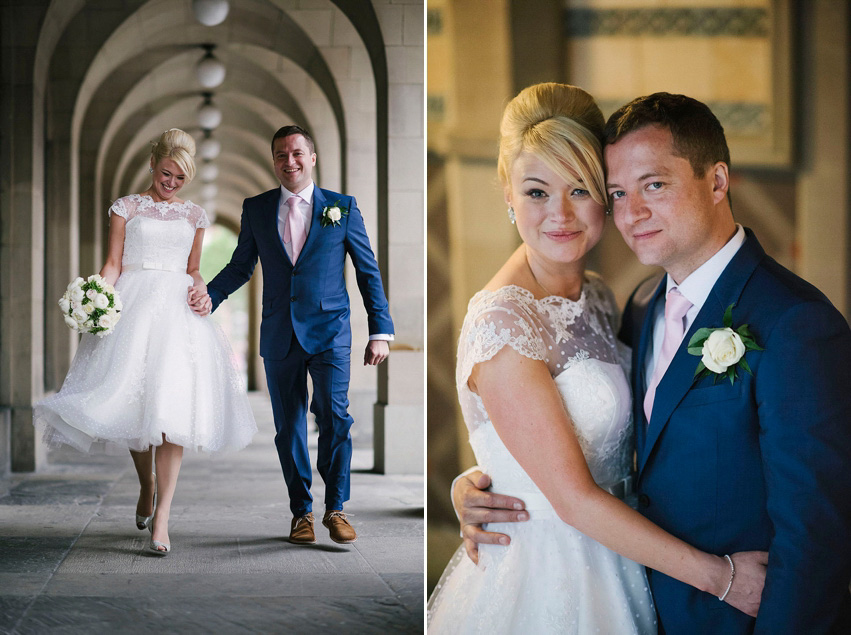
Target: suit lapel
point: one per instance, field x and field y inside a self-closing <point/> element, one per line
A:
<point x="679" y="377"/>
<point x="645" y="341"/>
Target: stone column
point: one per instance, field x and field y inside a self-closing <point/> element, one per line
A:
<point x="21" y="237"/>
<point x="399" y="411"/>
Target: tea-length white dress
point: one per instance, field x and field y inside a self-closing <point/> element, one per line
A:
<point x="551" y="578"/>
<point x="164" y="370"/>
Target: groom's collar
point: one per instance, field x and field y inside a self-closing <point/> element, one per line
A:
<point x="306" y="194"/>
<point x="698" y="285"/>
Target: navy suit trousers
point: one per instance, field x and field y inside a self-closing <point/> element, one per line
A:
<point x="287" y="382"/>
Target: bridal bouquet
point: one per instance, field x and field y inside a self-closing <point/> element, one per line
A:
<point x="91" y="306"/>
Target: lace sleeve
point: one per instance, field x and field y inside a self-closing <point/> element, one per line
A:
<point x="494" y="320"/>
<point x="119" y="208"/>
<point x="202" y="222"/>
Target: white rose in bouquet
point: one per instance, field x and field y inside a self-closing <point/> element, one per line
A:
<point x="106" y="322"/>
<point x="86" y="306"/>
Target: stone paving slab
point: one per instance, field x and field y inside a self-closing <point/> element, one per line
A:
<point x="72" y="561"/>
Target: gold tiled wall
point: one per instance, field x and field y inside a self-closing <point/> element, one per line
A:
<point x="732" y="55"/>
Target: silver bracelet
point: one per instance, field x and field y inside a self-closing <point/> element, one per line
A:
<point x="732" y="575"/>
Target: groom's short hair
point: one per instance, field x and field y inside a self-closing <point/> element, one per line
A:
<point x="287" y="131"/>
<point x="697" y="134"/>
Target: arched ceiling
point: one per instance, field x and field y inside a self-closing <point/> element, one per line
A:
<point x="117" y="74"/>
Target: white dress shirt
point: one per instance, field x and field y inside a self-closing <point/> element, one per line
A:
<point x="304" y="206"/>
<point x="696" y="289"/>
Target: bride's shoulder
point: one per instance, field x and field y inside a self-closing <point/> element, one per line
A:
<point x="124" y="206"/>
<point x="509" y="297"/>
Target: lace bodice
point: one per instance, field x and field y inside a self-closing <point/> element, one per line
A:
<point x="158" y="235"/>
<point x="577" y="342"/>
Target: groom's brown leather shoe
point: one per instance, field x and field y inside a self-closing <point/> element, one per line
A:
<point x="301" y="532"/>
<point x="339" y="528"/>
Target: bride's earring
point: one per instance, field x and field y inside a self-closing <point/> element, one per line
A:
<point x="151" y="170"/>
<point x="511" y="215"/>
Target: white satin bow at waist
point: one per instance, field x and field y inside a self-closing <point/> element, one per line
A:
<point x="156" y="265"/>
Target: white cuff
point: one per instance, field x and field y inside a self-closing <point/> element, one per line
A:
<point x="387" y="337"/>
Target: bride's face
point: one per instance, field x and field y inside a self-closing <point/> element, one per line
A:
<point x="167" y="180"/>
<point x="556" y="219"/>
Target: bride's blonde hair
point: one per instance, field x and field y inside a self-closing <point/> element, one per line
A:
<point x="179" y="146"/>
<point x="562" y="125"/>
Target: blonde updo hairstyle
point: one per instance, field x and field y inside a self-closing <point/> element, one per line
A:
<point x="561" y="125"/>
<point x="179" y="146"/>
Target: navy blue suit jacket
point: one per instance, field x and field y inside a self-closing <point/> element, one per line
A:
<point x="309" y="298"/>
<point x="760" y="464"/>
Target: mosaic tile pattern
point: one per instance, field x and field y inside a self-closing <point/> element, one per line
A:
<point x="738" y="118"/>
<point x="737" y="22"/>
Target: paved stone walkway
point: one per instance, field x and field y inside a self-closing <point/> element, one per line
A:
<point x="72" y="560"/>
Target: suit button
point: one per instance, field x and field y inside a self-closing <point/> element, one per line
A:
<point x="295" y="273"/>
<point x="643" y="501"/>
<point x="292" y="299"/>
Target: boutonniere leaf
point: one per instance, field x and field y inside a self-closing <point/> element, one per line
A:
<point x="722" y="349"/>
<point x="331" y="214"/>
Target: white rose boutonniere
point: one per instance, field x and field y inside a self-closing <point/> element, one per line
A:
<point x="331" y="214"/>
<point x="722" y="349"/>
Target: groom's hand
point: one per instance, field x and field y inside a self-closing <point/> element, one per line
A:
<point x="475" y="506"/>
<point x="199" y="301"/>
<point x="746" y="592"/>
<point x="376" y="352"/>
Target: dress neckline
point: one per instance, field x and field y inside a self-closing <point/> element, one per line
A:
<point x="150" y="200"/>
<point x="530" y="297"/>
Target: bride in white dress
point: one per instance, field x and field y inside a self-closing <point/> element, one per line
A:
<point x="543" y="388"/>
<point x="165" y="377"/>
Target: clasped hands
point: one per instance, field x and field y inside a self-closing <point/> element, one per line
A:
<point x="199" y="300"/>
<point x="476" y="505"/>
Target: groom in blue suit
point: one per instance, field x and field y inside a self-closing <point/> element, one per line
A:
<point x="756" y="455"/>
<point x="302" y="234"/>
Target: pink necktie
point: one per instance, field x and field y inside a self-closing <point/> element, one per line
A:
<point x="294" y="232"/>
<point x="676" y="307"/>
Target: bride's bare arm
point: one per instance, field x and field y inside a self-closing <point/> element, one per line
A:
<point x="528" y="414"/>
<point x="115" y="250"/>
<point x="197" y="298"/>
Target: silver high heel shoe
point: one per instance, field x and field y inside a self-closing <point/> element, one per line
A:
<point x="156" y="544"/>
<point x="143" y="522"/>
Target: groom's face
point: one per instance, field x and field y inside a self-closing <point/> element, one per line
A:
<point x="665" y="213"/>
<point x="293" y="161"/>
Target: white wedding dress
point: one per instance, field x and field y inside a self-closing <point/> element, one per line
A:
<point x="163" y="370"/>
<point x="551" y="578"/>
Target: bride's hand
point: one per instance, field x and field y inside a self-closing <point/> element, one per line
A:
<point x="199" y="300"/>
<point x="475" y="506"/>
<point x="746" y="592"/>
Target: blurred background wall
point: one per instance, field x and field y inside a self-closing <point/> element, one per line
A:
<point x="775" y="72"/>
<point x="87" y="85"/>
